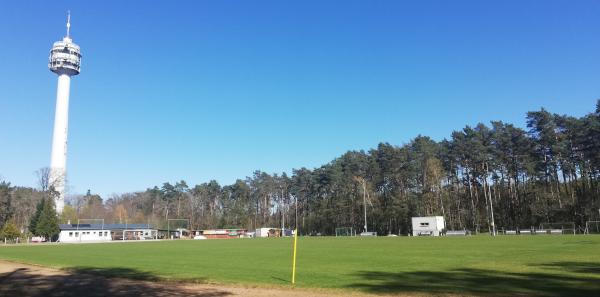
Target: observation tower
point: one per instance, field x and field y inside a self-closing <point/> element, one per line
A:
<point x="65" y="61"/>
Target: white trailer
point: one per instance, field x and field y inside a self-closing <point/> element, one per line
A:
<point x="428" y="226"/>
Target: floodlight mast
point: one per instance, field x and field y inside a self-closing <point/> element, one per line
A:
<point x="363" y="183"/>
<point x="65" y="61"/>
<point x="365" y="206"/>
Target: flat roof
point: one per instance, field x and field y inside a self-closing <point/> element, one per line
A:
<point x="103" y="227"/>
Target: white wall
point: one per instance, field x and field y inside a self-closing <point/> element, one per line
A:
<point x="84" y="235"/>
<point x="263" y="232"/>
<point x="428" y="225"/>
<point x="441" y="224"/>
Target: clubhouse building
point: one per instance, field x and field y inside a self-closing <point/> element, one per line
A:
<point x="73" y="233"/>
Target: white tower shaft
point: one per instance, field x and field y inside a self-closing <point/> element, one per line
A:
<point x="58" y="161"/>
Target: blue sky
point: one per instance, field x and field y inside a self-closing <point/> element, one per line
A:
<point x="200" y="90"/>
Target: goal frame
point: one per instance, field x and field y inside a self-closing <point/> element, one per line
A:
<point x="178" y="220"/>
<point x="338" y="232"/>
<point x="565" y="227"/>
<point x="79" y="222"/>
<point x="587" y="227"/>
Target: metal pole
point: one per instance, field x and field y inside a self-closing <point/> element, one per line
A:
<point x="365" y="203"/>
<point x="294" y="257"/>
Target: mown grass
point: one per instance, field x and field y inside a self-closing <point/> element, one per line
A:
<point x="480" y="265"/>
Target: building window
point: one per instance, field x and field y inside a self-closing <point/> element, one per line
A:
<point x="105" y="233"/>
<point x="70" y="234"/>
<point x="76" y="234"/>
<point x="424" y="224"/>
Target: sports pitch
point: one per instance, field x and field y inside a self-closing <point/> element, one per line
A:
<point x="567" y="265"/>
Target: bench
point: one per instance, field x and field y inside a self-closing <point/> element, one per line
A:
<point x="457" y="233"/>
<point x="368" y="234"/>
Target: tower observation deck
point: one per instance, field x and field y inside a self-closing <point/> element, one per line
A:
<point x="65" y="61"/>
<point x="65" y="57"/>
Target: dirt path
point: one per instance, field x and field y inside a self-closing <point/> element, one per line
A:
<point x="32" y="281"/>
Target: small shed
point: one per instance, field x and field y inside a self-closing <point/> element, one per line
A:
<point x="428" y="226"/>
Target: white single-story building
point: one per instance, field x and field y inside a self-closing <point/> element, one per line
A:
<point x="428" y="226"/>
<point x="83" y="233"/>
<point x="268" y="232"/>
<point x="71" y="233"/>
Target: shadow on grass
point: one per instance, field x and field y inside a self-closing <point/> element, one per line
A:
<point x="115" y="272"/>
<point x="281" y="280"/>
<point x="86" y="281"/>
<point x="580" y="242"/>
<point x="479" y="282"/>
<point x="577" y="267"/>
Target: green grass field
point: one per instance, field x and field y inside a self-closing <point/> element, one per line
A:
<point x="479" y="265"/>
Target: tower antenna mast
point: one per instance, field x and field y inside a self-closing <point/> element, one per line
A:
<point x="68" y="23"/>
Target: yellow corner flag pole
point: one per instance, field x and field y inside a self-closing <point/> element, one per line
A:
<point x="294" y="257"/>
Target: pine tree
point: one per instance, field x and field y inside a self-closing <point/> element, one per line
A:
<point x="10" y="231"/>
<point x="35" y="218"/>
<point x="6" y="204"/>
<point x="47" y="224"/>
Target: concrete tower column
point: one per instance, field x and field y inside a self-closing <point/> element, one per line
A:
<point x="58" y="160"/>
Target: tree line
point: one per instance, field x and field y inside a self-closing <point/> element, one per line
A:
<point x="482" y="177"/>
